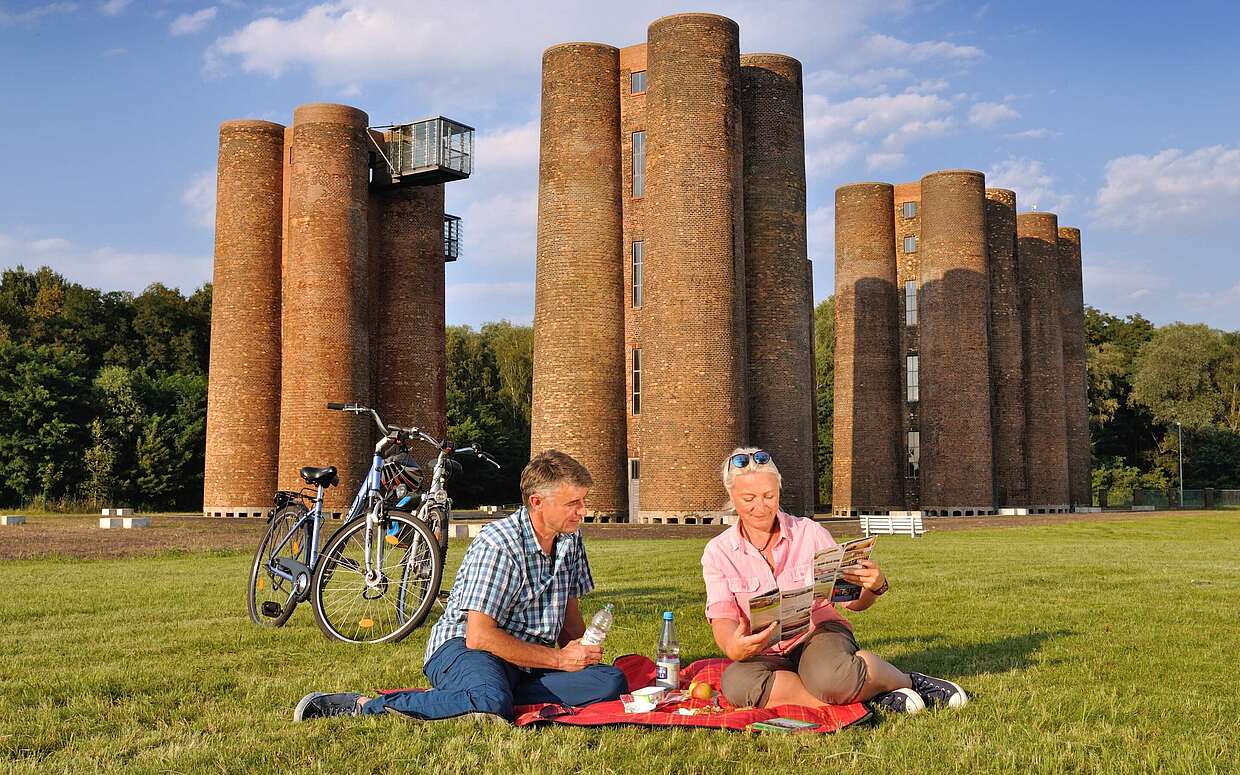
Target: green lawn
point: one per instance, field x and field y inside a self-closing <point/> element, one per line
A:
<point x="1106" y="646"/>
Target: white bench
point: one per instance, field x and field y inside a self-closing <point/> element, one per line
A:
<point x="13" y="519"/>
<point x="892" y="524"/>
<point x="118" y="512"/>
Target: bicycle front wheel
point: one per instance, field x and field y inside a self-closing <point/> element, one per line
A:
<point x="352" y="608"/>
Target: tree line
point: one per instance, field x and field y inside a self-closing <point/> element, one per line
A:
<point x="103" y="398"/>
<point x="1142" y="380"/>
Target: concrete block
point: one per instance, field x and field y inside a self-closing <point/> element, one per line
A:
<point x="12" y="519"/>
<point x="1142" y="508"/>
<point x="111" y="522"/>
<point x="135" y="522"/>
<point x="1088" y="509"/>
<point x="458" y="530"/>
<point x="118" y="512"/>
<point x="1013" y="512"/>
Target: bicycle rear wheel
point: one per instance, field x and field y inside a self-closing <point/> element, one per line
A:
<point x="350" y="609"/>
<point x="271" y="598"/>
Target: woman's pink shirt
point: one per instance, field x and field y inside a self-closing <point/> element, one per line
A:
<point x="734" y="571"/>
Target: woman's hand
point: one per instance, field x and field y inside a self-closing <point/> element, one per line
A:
<point x="866" y="573"/>
<point x="744" y="644"/>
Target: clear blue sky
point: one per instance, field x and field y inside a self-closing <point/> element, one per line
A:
<point x="1121" y="117"/>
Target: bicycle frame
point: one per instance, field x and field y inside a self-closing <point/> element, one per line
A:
<point x="315" y="516"/>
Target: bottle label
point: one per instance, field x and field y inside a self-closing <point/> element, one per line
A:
<point x="667" y="672"/>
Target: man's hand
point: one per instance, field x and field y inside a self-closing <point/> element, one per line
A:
<point x="866" y="573"/>
<point x="577" y="656"/>
<point x="745" y="645"/>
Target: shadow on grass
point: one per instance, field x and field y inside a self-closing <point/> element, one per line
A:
<point x="937" y="655"/>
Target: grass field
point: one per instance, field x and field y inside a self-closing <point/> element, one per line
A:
<point x="1105" y="646"/>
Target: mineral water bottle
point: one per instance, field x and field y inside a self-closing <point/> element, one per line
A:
<point x="667" y="661"/>
<point x="596" y="633"/>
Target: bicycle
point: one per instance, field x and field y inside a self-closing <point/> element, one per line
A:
<point x="357" y="598"/>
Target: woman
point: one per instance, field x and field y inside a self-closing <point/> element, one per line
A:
<point x="768" y="548"/>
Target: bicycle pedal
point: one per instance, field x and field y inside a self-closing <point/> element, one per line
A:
<point x="272" y="610"/>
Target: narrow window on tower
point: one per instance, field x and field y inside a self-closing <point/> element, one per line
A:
<point x="638" y="82"/>
<point x="914" y="454"/>
<point x="910" y="303"/>
<point x="639" y="250"/>
<point x="637" y="380"/>
<point x="639" y="163"/>
<point x="634" y="469"/>
<point x="910" y="244"/>
<point x="912" y="378"/>
<point x="909" y="209"/>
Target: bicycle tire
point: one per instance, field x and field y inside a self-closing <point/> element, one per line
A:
<point x="262" y="580"/>
<point x="438" y="523"/>
<point x="355" y="618"/>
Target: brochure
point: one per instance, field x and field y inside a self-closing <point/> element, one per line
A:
<point x="790" y="609"/>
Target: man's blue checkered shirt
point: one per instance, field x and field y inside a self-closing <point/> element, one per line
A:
<point x="506" y="576"/>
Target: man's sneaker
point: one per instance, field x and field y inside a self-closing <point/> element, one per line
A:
<point x="900" y="701"/>
<point x="322" y="705"/>
<point x="938" y="691"/>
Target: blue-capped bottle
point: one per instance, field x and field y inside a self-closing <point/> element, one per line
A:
<point x="667" y="660"/>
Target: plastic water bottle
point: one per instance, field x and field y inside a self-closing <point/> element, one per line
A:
<point x="596" y="633"/>
<point x="667" y="661"/>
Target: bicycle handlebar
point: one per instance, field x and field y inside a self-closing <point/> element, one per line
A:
<point x="409" y="432"/>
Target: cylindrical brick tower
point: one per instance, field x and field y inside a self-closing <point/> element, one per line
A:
<point x="867" y="472"/>
<point x="406" y="254"/>
<point x="325" y="348"/>
<point x="780" y="343"/>
<point x="694" y="396"/>
<point x="1075" y="380"/>
<point x="578" y="400"/>
<point x="1006" y="351"/>
<point x="954" y="372"/>
<point x="1046" y="438"/>
<point x="243" y="396"/>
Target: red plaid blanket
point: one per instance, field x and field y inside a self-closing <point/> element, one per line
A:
<point x="640" y="672"/>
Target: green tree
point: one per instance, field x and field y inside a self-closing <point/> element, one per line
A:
<point x="157" y="464"/>
<point x="824" y="377"/>
<point x="1175" y="376"/>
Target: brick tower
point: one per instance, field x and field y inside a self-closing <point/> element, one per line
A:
<point x="1006" y="351"/>
<point x="578" y="400"/>
<point x="678" y="110"/>
<point x="1046" y="442"/>
<point x="326" y="354"/>
<point x="868" y="471"/>
<point x="777" y="278"/>
<point x="954" y="372"/>
<point x="694" y="398"/>
<point x="243" y="396"/>
<point x="1075" y="380"/>
<point x="407" y="305"/>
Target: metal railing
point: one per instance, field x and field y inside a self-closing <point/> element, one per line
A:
<point x="451" y="237"/>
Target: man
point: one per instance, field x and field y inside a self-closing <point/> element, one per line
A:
<point x="511" y="631"/>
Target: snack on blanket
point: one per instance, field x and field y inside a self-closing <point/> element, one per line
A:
<point x="700" y="690"/>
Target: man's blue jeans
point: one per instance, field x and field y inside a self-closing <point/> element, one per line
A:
<point x="470" y="681"/>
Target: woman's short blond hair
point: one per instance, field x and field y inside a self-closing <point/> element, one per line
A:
<point x="729" y="472"/>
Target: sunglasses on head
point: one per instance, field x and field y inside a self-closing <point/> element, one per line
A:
<point x="741" y="459"/>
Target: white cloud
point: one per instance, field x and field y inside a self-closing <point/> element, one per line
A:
<point x="199" y="198"/>
<point x="822" y="160"/>
<point x="189" y="23"/>
<point x="1034" y="186"/>
<point x="107" y="268"/>
<point x="887" y="48"/>
<point x="512" y="301"/>
<point x="1170" y="186"/>
<point x="1040" y="133"/>
<point x="1118" y="283"/>
<point x="33" y="15"/>
<point x="831" y="81"/>
<point x="509" y="147"/>
<point x="881" y="161"/>
<point x="114" y="7"/>
<point x="988" y="114"/>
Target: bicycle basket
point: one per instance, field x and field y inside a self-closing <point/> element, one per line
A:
<point x="400" y="469"/>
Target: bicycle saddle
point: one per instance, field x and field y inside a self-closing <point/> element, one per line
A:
<point x="324" y="476"/>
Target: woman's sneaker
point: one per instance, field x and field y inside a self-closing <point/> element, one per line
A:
<point x="900" y="701"/>
<point x="938" y="691"/>
<point x="322" y="705"/>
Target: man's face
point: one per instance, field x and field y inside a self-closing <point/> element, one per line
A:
<point x="561" y="508"/>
